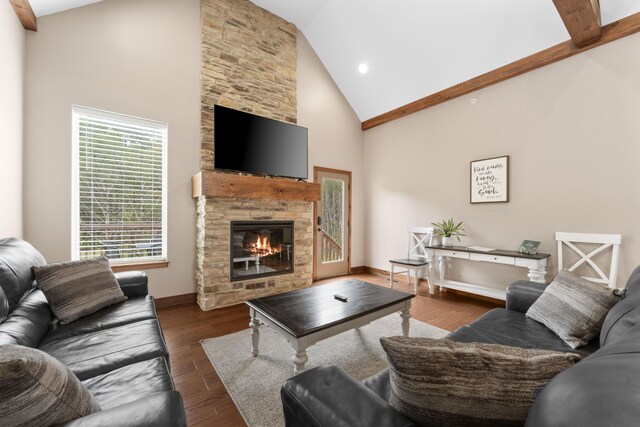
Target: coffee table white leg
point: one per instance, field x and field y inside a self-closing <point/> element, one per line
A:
<point x="406" y="315"/>
<point x="254" y="324"/>
<point x="299" y="360"/>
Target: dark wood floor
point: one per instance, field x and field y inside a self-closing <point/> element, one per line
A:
<point x="206" y="400"/>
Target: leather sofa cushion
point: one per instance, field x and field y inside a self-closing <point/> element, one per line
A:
<point x="130" y="383"/>
<point x="379" y="384"/>
<point x="77" y="288"/>
<point x="507" y="327"/>
<point x="601" y="390"/>
<point x="628" y="343"/>
<point x="161" y="409"/>
<point x="625" y="314"/>
<point x="38" y="390"/>
<point x="16" y="279"/>
<point x="97" y="353"/>
<point x="633" y="284"/>
<point x="522" y="294"/>
<point x="327" y="396"/>
<point x="622" y="317"/>
<point x="28" y="322"/>
<point x="129" y="311"/>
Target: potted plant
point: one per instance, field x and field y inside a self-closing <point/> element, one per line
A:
<point x="448" y="229"/>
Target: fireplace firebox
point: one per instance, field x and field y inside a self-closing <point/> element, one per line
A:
<point x="260" y="249"/>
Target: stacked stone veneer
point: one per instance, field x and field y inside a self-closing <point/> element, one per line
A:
<point x="249" y="60"/>
<point x="215" y="288"/>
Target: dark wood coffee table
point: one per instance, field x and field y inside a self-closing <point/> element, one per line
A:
<point x="309" y="315"/>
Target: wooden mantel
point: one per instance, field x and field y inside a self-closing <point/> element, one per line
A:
<point x="217" y="184"/>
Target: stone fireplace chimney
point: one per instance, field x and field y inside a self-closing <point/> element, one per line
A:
<point x="249" y="60"/>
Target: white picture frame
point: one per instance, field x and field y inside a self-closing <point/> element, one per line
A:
<point x="490" y="180"/>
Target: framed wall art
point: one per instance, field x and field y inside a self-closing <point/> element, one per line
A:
<point x="490" y="180"/>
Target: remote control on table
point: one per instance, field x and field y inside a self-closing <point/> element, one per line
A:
<point x="340" y="297"/>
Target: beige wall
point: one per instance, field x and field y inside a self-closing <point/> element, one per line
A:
<point x="12" y="53"/>
<point x="136" y="57"/>
<point x="142" y="58"/>
<point x="335" y="137"/>
<point x="572" y="130"/>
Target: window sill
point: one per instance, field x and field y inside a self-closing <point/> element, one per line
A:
<point x="139" y="266"/>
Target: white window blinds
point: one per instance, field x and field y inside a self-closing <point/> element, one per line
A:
<point x="119" y="187"/>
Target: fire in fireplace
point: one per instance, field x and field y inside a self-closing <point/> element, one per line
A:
<point x="261" y="248"/>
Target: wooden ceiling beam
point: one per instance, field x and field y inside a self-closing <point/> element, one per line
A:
<point x="610" y="32"/>
<point x="582" y="19"/>
<point x="25" y="14"/>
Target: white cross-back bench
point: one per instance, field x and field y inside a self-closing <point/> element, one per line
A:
<point x="605" y="241"/>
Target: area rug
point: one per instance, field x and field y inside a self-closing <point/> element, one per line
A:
<point x="254" y="382"/>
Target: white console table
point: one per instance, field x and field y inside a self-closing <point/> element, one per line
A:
<point x="537" y="265"/>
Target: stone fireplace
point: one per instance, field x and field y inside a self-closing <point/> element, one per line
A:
<point x="261" y="249"/>
<point x="217" y="286"/>
<point x="248" y="63"/>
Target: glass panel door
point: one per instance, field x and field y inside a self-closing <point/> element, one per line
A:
<point x="332" y="231"/>
<point x="332" y="219"/>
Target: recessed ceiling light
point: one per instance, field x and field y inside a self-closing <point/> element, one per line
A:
<point x="363" y="68"/>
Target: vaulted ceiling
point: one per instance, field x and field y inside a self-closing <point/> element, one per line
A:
<point x="48" y="7"/>
<point x="413" y="48"/>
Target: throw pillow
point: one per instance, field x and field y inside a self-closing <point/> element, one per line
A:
<point x="37" y="390"/>
<point x="574" y="308"/>
<point x="78" y="288"/>
<point x="438" y="382"/>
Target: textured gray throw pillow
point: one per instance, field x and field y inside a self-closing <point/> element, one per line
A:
<point x="37" y="390"/>
<point x="78" y="288"/>
<point x="574" y="308"/>
<point x="438" y="382"/>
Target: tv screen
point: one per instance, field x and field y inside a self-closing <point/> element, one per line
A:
<point x="244" y="142"/>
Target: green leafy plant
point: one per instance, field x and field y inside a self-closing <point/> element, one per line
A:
<point x="448" y="228"/>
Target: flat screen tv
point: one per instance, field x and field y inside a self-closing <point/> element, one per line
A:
<point x="244" y="142"/>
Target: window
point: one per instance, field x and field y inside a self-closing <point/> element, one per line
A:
<point x="119" y="187"/>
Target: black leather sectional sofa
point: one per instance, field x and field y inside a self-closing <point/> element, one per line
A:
<point x="601" y="390"/>
<point x="119" y="352"/>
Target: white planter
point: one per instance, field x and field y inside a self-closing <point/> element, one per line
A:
<point x="447" y="241"/>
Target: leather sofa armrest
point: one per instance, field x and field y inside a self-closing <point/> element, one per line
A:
<point x="133" y="283"/>
<point x="522" y="294"/>
<point x="327" y="396"/>
<point x="161" y="409"/>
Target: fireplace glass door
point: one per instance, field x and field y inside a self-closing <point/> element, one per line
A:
<point x="261" y="248"/>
